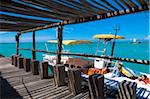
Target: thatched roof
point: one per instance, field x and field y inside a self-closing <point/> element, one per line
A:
<point x="28" y="15"/>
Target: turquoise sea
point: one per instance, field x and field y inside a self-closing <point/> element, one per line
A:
<point x="122" y="49"/>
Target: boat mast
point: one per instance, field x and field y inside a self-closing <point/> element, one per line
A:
<point x="117" y="28"/>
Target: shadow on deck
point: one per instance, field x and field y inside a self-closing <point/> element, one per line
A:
<point x="7" y="91"/>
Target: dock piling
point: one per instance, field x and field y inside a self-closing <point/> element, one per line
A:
<point x="12" y="59"/>
<point x="59" y="45"/>
<point x="16" y="60"/>
<point x="35" y="67"/>
<point x="74" y="76"/>
<point x="44" y="70"/>
<point x="59" y="75"/>
<point x="27" y="64"/>
<point x="20" y="62"/>
<point x="33" y="46"/>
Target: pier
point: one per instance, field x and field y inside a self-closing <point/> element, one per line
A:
<point x="16" y="83"/>
<point x="21" y="77"/>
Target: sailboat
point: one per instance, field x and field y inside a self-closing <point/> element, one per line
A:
<point x="135" y="41"/>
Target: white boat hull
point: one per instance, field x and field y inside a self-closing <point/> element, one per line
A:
<point x="51" y="59"/>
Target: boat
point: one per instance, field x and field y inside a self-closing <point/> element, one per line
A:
<point x="51" y="59"/>
<point x="135" y="41"/>
<point x="100" y="64"/>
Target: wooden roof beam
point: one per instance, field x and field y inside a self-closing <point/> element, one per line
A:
<point x="47" y="6"/>
<point x="107" y="3"/>
<point x="126" y="4"/>
<point x="28" y="13"/>
<point x="101" y="5"/>
<point x="35" y="11"/>
<point x="17" y="25"/>
<point x="20" y="19"/>
<point x="144" y="4"/>
<point x="86" y="19"/>
<point x="86" y="3"/>
<point x="132" y="3"/>
<point x="77" y="8"/>
<point x="83" y="7"/>
<point x="20" y="22"/>
<point x="118" y="3"/>
<point x="77" y="4"/>
<point x="62" y="7"/>
<point x="5" y="28"/>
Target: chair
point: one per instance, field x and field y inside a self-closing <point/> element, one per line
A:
<point x="142" y="93"/>
<point x="127" y="90"/>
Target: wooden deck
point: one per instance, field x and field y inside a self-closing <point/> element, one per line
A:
<point x="18" y="84"/>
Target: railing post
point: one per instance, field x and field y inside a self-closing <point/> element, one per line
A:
<point x="17" y="43"/>
<point x="59" y="46"/>
<point x="15" y="57"/>
<point x="33" y="46"/>
<point x="35" y="63"/>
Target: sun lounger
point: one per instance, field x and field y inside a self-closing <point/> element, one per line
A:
<point x="96" y="86"/>
<point x="111" y="87"/>
<point x="143" y="93"/>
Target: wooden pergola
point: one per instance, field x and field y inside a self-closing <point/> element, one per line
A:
<point x="24" y="16"/>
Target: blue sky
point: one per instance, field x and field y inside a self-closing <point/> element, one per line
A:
<point x="131" y="26"/>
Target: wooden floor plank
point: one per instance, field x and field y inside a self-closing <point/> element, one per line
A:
<point x="21" y="84"/>
<point x="51" y="92"/>
<point x="69" y="96"/>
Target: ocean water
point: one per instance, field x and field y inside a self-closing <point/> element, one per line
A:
<point x="122" y="49"/>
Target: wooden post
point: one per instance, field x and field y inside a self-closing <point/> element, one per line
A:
<point x="35" y="67"/>
<point x="12" y="59"/>
<point x="20" y="62"/>
<point x="74" y="77"/>
<point x="59" y="75"/>
<point x="96" y="86"/>
<point x="44" y="70"/>
<point x="33" y="46"/>
<point x="27" y="64"/>
<point x="17" y="43"/>
<point x="16" y="60"/>
<point x="59" y="46"/>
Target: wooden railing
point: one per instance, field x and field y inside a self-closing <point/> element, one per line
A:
<point x="138" y="61"/>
